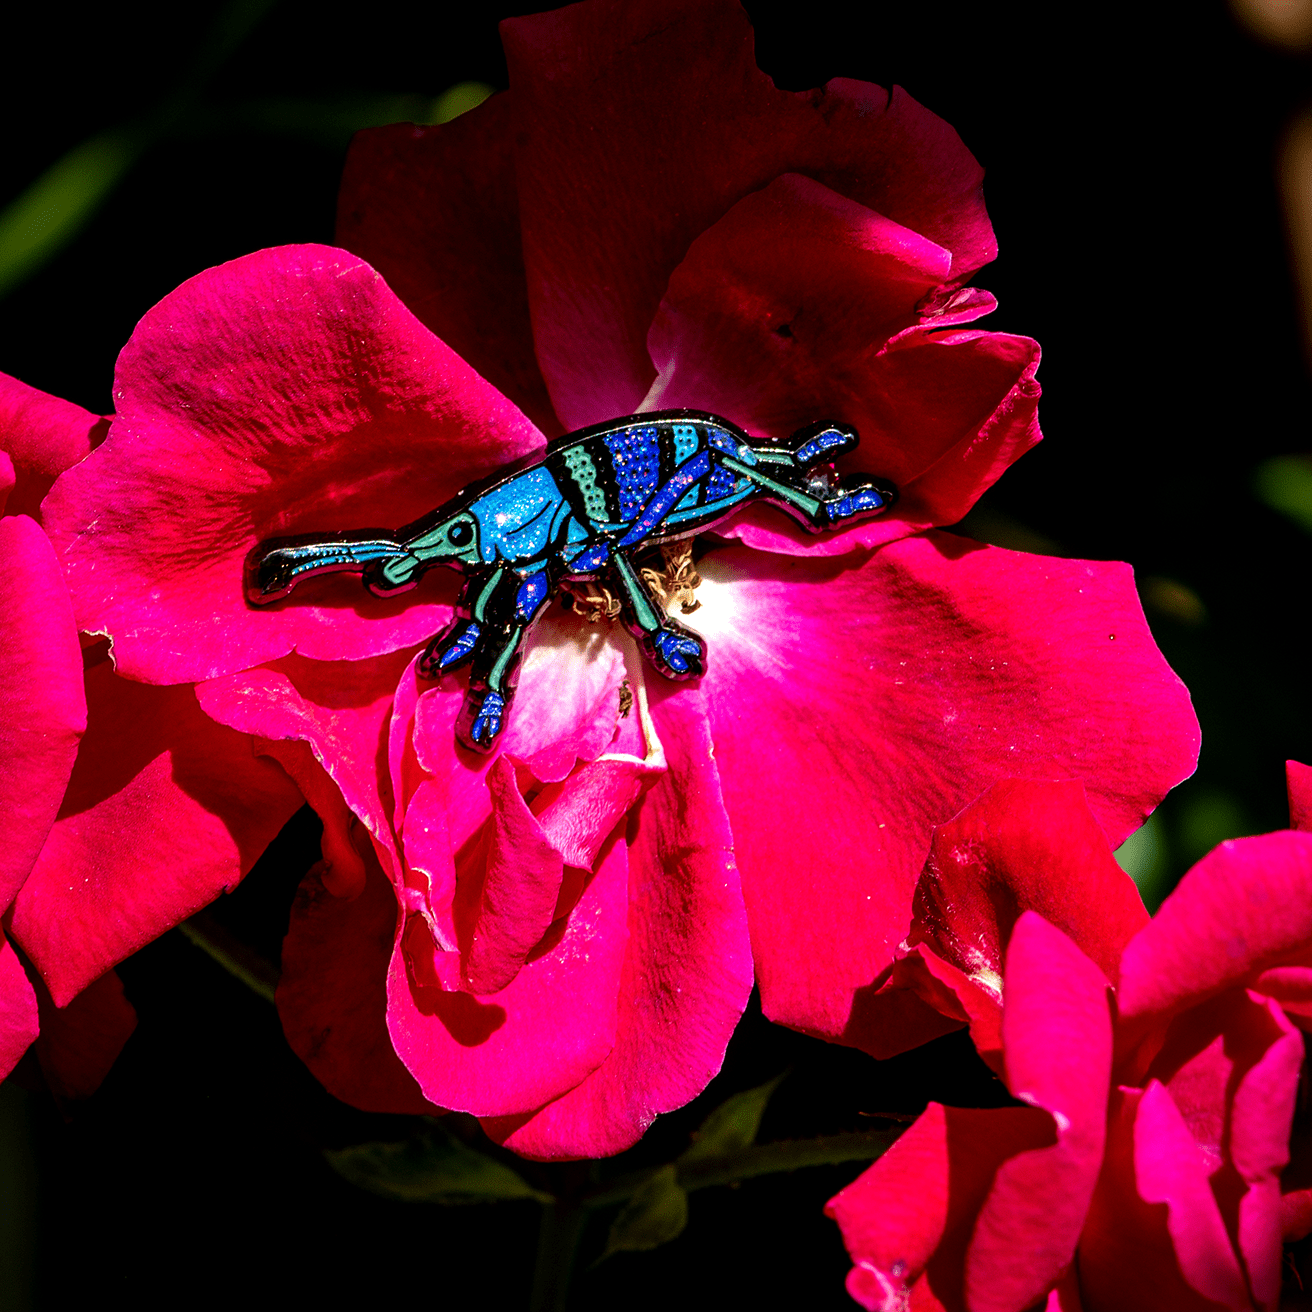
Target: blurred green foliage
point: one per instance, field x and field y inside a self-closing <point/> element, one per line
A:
<point x="1285" y="484"/>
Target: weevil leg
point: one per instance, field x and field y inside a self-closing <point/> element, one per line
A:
<point x="677" y="652"/>
<point x="511" y="605"/>
<point x="818" y="507"/>
<point x="459" y="641"/>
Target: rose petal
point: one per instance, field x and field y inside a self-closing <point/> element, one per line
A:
<point x="19" y="1023"/>
<point x="521" y="883"/>
<point x="1152" y="1203"/>
<point x="332" y="994"/>
<point x="1023" y="846"/>
<point x="42" y="435"/>
<point x="1232" y="1068"/>
<point x="782" y="313"/>
<point x="434" y="210"/>
<point x="854" y="709"/>
<point x="286" y="392"/>
<point x="911" y="1254"/>
<point x="80" y="1041"/>
<point x="7" y="480"/>
<point x="43" y="710"/>
<point x="165" y="810"/>
<point x="340" y="708"/>
<point x="687" y="970"/>
<point x="539" y="1036"/>
<point x="1244" y="908"/>
<point x="1298" y="780"/>
<point x="1057" y="1036"/>
<point x="692" y="126"/>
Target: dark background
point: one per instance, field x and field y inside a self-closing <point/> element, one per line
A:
<point x="1130" y="152"/>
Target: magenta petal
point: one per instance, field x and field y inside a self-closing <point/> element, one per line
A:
<point x="520" y="886"/>
<point x="434" y="210"/>
<point x="19" y="1023"/>
<point x="521" y="1047"/>
<point x="854" y="709"/>
<point x="340" y="708"/>
<point x="1170" y="1169"/>
<point x="1232" y="1068"/>
<point x="42" y="436"/>
<point x="7" y="480"/>
<point x="687" y="969"/>
<point x="81" y="1040"/>
<point x="688" y="115"/>
<point x="908" y="1219"/>
<point x="1298" y="779"/>
<point x="782" y="313"/>
<point x="287" y="392"/>
<point x="43" y="710"/>
<point x="1127" y="1257"/>
<point x="1244" y="908"/>
<point x="165" y="810"/>
<point x="332" y="994"/>
<point x="1024" y="846"/>
<point x="1057" y="1035"/>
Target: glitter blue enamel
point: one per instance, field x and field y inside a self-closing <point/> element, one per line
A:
<point x="587" y="508"/>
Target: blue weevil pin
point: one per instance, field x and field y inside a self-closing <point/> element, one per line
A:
<point x="595" y="499"/>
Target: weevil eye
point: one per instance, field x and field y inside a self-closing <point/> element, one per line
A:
<point x="461" y="532"/>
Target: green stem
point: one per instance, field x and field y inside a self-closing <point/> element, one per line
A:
<point x="562" y="1228"/>
<point x="235" y="957"/>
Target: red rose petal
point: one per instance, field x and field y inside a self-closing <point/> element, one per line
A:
<point x="19" y="1022"/>
<point x="782" y="314"/>
<point x="434" y="210"/>
<point x="332" y="995"/>
<point x="42" y="436"/>
<point x="1244" y="908"/>
<point x="687" y="968"/>
<point x="43" y="710"/>
<point x="1057" y="1036"/>
<point x="1298" y="779"/>
<point x="165" y="810"/>
<point x="691" y="126"/>
<point x="854" y="709"/>
<point x="286" y="392"/>
<point x="80" y="1041"/>
<point x="907" y="1220"/>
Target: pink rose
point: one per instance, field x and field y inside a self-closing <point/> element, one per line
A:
<point x="561" y="936"/>
<point x="124" y="808"/>
<point x="1144" y="1168"/>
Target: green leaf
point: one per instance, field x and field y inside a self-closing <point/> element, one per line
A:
<point x="733" y="1125"/>
<point x="56" y="207"/>
<point x="657" y="1213"/>
<point x="433" y="1167"/>
<point x="1285" y="484"/>
<point x="459" y="99"/>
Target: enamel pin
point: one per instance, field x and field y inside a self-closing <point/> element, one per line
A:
<point x="583" y="511"/>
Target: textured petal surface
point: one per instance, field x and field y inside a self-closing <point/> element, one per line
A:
<point x="434" y="210"/>
<point x="837" y="697"/>
<point x="1244" y="908"/>
<point x="19" y="1022"/>
<point x="287" y="392"/>
<point x="1057" y="1036"/>
<point x="165" y="810"/>
<point x="688" y="969"/>
<point x="687" y="114"/>
<point x="43" y="711"/>
<point x="801" y="305"/>
<point x="332" y="995"/>
<point x="908" y="1219"/>
<point x="42" y="436"/>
